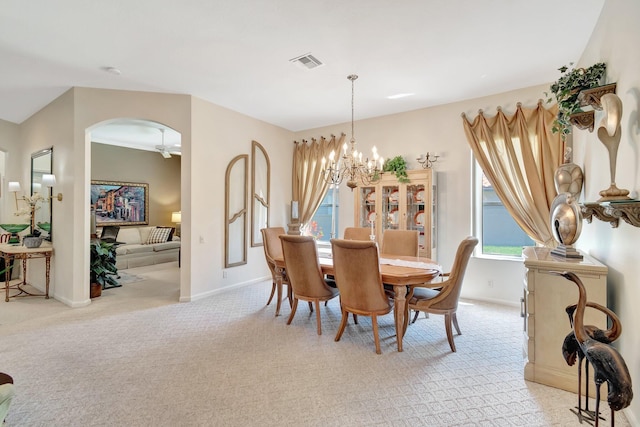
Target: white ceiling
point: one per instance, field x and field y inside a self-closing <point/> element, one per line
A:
<point x="235" y="53"/>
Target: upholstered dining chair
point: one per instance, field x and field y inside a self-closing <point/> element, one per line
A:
<point x="273" y="249"/>
<point x="305" y="276"/>
<point x="400" y="242"/>
<point x="357" y="233"/>
<point x="357" y="272"/>
<point x="445" y="299"/>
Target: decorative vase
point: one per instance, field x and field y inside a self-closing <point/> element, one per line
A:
<point x="569" y="177"/>
<point x="32" y="242"/>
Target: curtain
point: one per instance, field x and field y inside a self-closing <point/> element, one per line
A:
<point x="519" y="155"/>
<point x="309" y="186"/>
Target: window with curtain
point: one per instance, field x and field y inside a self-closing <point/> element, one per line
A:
<point x="320" y="225"/>
<point x="499" y="234"/>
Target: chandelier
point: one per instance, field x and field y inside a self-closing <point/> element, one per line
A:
<point x="350" y="165"/>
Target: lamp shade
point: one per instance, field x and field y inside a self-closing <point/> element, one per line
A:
<point x="14" y="186"/>
<point x="176" y="216"/>
<point x="48" y="180"/>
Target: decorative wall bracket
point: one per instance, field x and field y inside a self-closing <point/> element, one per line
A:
<point x="590" y="97"/>
<point x="611" y="212"/>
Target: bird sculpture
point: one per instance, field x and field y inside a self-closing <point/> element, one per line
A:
<point x="608" y="365"/>
<point x="571" y="349"/>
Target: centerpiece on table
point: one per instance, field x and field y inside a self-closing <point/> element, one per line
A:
<point x="33" y="239"/>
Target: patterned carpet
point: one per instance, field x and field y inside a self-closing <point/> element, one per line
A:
<point x="227" y="361"/>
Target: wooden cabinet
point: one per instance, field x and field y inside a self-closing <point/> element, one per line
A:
<point x="545" y="320"/>
<point x="390" y="204"/>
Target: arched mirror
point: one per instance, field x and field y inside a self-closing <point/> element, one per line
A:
<point x="260" y="185"/>
<point x="41" y="164"/>
<point x="235" y="208"/>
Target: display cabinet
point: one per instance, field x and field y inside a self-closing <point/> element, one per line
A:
<point x="390" y="204"/>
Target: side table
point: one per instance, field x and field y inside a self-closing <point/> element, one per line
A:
<point x="11" y="252"/>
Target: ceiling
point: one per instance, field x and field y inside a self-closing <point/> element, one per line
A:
<point x="236" y="53"/>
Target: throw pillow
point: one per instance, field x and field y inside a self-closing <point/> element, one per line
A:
<point x="159" y="235"/>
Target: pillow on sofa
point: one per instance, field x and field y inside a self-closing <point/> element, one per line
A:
<point x="160" y="235"/>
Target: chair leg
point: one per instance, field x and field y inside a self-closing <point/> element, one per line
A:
<point x="293" y="310"/>
<point x="376" y="338"/>
<point x="447" y="325"/>
<point x="318" y="317"/>
<point x="290" y="295"/>
<point x="355" y="318"/>
<point x="415" y="316"/>
<point x="310" y="306"/>
<point x="454" y="318"/>
<point x="273" y="291"/>
<point x="343" y="324"/>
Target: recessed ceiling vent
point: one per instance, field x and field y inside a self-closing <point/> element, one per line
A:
<point x="307" y="61"/>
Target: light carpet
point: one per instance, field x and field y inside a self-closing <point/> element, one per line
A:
<point x="139" y="358"/>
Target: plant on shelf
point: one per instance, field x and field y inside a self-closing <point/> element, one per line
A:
<point x="398" y="166"/>
<point x="103" y="267"/>
<point x="567" y="89"/>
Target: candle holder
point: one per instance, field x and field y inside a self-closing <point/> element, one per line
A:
<point x="427" y="160"/>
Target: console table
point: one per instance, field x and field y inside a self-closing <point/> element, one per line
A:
<point x="13" y="252"/>
<point x="546" y="324"/>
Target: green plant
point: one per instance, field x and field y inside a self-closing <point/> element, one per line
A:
<point x="398" y="166"/>
<point x="103" y="264"/>
<point x="566" y="90"/>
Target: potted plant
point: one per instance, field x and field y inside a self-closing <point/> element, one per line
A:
<point x="398" y="166"/>
<point x="102" y="268"/>
<point x="566" y="91"/>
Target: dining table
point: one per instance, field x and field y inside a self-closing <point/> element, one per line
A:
<point x="401" y="272"/>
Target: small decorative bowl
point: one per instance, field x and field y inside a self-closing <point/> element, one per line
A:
<point x="32" y="242"/>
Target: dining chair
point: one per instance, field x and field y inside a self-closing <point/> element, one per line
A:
<point x="305" y="276"/>
<point x="273" y="249"/>
<point x="400" y="242"/>
<point x="357" y="272"/>
<point x="357" y="233"/>
<point x="445" y="299"/>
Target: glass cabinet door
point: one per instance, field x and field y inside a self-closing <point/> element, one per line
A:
<point x="367" y="196"/>
<point x="390" y="214"/>
<point x="415" y="218"/>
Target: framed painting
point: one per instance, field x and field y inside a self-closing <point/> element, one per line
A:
<point x="120" y="203"/>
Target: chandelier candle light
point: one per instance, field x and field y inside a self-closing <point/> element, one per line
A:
<point x="351" y="165"/>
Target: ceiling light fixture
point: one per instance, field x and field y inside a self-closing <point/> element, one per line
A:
<point x="112" y="70"/>
<point x="351" y="165"/>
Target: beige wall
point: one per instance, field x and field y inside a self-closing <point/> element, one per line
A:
<point x="10" y="144"/>
<point x="111" y="163"/>
<point x="615" y="41"/>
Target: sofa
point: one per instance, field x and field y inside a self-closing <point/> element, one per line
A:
<point x="148" y="245"/>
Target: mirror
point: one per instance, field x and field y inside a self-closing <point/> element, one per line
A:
<point x="42" y="163"/>
<point x="260" y="185"/>
<point x="235" y="208"/>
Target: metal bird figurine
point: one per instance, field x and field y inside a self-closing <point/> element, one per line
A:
<point x="608" y="364"/>
<point x="571" y="349"/>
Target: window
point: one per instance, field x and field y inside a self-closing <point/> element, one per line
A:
<point x="320" y="225"/>
<point x="499" y="233"/>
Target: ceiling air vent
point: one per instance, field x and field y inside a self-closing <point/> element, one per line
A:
<point x="307" y="61"/>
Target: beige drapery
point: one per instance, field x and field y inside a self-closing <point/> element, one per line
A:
<point x="519" y="155"/>
<point x="309" y="186"/>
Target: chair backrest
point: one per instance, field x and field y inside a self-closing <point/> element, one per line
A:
<point x="400" y="242"/>
<point x="303" y="269"/>
<point x="450" y="293"/>
<point x="357" y="273"/>
<point x="271" y="242"/>
<point x="357" y="233"/>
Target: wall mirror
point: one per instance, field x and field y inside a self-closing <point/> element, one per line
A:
<point x="42" y="163"/>
<point x="260" y="185"/>
<point x="235" y="208"/>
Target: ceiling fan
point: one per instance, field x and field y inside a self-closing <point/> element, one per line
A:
<point x="167" y="151"/>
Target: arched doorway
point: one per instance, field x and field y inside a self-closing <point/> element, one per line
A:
<point x="145" y="152"/>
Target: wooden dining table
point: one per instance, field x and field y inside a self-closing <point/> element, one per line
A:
<point x="400" y="277"/>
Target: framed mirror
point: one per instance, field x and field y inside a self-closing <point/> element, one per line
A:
<point x="42" y="163"/>
<point x="235" y="208"/>
<point x="260" y="189"/>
